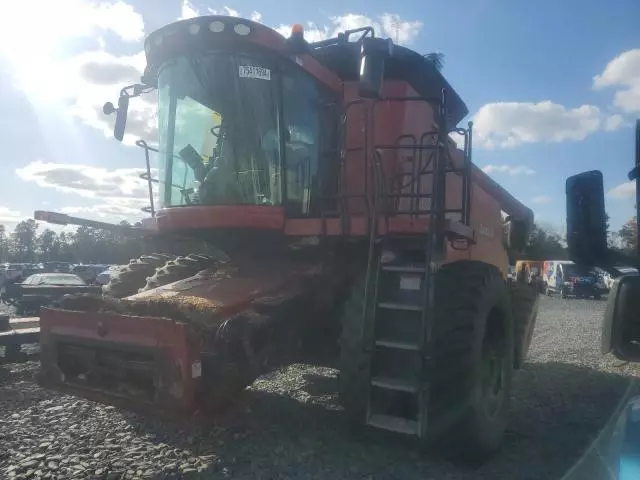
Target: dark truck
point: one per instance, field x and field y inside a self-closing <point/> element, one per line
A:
<point x="43" y="289"/>
<point x="580" y="282"/>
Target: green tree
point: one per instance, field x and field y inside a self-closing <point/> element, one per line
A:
<point x="23" y="240"/>
<point x="544" y="244"/>
<point x="627" y="236"/>
<point x="610" y="234"/>
<point x="4" y="244"/>
<point x="46" y="245"/>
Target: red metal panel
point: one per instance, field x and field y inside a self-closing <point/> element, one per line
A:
<point x="170" y="338"/>
<point x="220" y="216"/>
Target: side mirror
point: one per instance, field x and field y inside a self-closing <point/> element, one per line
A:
<point x="516" y="234"/>
<point x="586" y="219"/>
<point x="621" y="326"/>
<point x="121" y="115"/>
<point x="373" y="54"/>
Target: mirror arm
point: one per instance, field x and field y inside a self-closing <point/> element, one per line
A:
<point x="617" y="257"/>
<point x="135" y="90"/>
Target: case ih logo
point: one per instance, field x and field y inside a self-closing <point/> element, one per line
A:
<point x="484" y="230"/>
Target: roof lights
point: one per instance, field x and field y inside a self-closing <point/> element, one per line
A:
<point x="242" y="29"/>
<point x="216" y="26"/>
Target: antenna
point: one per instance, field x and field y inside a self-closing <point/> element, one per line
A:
<point x="395" y="23"/>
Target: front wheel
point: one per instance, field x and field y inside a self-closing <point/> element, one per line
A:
<point x="473" y="358"/>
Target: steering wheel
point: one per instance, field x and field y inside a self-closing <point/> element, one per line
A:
<point x="215" y="131"/>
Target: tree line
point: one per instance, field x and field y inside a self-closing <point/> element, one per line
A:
<point x="28" y="244"/>
<point x="545" y="244"/>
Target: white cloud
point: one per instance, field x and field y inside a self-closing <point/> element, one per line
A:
<point x="458" y="139"/>
<point x="115" y="194"/>
<point x="623" y="74"/>
<point x="87" y="181"/>
<point x="401" y="31"/>
<point x="230" y="12"/>
<point x="255" y="16"/>
<point x="97" y="76"/>
<point x="541" y="199"/>
<point x="508" y="169"/>
<point x="9" y="216"/>
<point x="623" y="191"/>
<point x="106" y="211"/>
<point x="386" y="25"/>
<point x="613" y="122"/>
<point x="35" y="35"/>
<point x="187" y="10"/>
<point x="508" y="124"/>
<point x="113" y="209"/>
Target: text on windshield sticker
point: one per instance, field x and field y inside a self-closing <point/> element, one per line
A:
<point x="251" y="71"/>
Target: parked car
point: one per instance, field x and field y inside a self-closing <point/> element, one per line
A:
<point x="104" y="276"/>
<point x="88" y="272"/>
<point x="43" y="289"/>
<point x="624" y="270"/>
<point x="55" y="267"/>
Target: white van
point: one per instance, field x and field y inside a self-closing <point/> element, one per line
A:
<point x="568" y="279"/>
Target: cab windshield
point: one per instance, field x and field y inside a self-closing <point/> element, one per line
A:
<point x="218" y="131"/>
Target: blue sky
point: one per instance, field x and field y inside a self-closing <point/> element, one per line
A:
<point x="553" y="88"/>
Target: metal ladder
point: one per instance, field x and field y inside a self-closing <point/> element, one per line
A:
<point x="399" y="324"/>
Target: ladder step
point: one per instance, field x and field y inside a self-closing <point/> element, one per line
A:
<point x="397" y="344"/>
<point x="399" y="306"/>
<point x="395" y="424"/>
<point x="403" y="269"/>
<point x="397" y="384"/>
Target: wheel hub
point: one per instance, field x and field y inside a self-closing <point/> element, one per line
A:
<point x="493" y="367"/>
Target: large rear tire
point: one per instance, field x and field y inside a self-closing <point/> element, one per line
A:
<point x="473" y="357"/>
<point x="525" y="302"/>
<point x="131" y="278"/>
<point x="354" y="359"/>
<point x="178" y="269"/>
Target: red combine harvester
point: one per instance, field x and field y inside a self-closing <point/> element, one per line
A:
<point x="323" y="177"/>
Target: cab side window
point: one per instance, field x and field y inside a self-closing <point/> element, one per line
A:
<point x="310" y="138"/>
<point x="301" y="138"/>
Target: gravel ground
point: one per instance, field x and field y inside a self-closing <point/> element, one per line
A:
<point x="288" y="425"/>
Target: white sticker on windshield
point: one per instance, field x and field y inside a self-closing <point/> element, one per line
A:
<point x="251" y="71"/>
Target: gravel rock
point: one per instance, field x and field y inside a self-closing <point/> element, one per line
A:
<point x="289" y="424"/>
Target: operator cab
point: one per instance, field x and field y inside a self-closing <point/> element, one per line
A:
<point x="238" y="124"/>
<point x="256" y="131"/>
